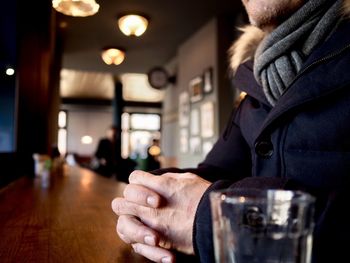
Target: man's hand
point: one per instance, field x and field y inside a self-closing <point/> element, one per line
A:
<point x="159" y="211"/>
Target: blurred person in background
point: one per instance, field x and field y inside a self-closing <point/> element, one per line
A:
<point x="107" y="153"/>
<point x="153" y="154"/>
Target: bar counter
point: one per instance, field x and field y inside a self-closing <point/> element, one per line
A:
<point x="67" y="220"/>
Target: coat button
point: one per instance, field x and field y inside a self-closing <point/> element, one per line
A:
<point x="264" y="149"/>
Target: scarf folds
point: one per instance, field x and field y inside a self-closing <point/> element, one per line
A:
<point x="282" y="53"/>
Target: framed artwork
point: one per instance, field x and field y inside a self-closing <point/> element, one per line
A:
<point x="208" y="80"/>
<point x="194" y="122"/>
<point x="183" y="140"/>
<point x="195" y="145"/>
<point x="196" y="89"/>
<point x="184" y="109"/>
<point x="207" y="119"/>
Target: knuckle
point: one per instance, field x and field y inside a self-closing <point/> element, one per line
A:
<point x="118" y="207"/>
<point x="120" y="226"/>
<point x="122" y="235"/>
<point x="115" y="205"/>
<point x="167" y="175"/>
<point x="124" y="207"/>
<point x="132" y="176"/>
<point x="121" y="221"/>
<point x="156" y="219"/>
<point x="126" y="191"/>
<point x="188" y="174"/>
<point x="139" y="234"/>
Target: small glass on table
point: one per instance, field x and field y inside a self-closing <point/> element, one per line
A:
<point x="262" y="226"/>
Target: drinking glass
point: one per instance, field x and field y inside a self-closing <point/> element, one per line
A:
<point x="262" y="226"/>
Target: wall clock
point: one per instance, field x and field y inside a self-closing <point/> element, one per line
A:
<point x="158" y="78"/>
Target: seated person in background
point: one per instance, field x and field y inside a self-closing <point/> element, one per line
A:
<point x="153" y="153"/>
<point x="108" y="161"/>
<point x="291" y="131"/>
<point x="107" y="155"/>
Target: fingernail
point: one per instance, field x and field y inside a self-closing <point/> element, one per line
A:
<point x="149" y="240"/>
<point x="166" y="260"/>
<point x="151" y="200"/>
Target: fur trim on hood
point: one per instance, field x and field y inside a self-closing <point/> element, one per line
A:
<point x="244" y="48"/>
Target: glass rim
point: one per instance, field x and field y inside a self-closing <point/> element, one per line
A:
<point x="242" y="196"/>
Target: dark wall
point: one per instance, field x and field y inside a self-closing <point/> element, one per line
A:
<point x="7" y="83"/>
<point x="7" y="113"/>
<point x="8" y="55"/>
<point x="37" y="81"/>
<point x="30" y="99"/>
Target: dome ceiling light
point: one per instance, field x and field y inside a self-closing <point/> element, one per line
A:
<point x="113" y="56"/>
<point x="80" y="8"/>
<point x="133" y="25"/>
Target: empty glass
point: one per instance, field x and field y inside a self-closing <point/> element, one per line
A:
<point x="267" y="226"/>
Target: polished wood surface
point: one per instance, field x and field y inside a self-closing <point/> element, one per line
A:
<point x="68" y="221"/>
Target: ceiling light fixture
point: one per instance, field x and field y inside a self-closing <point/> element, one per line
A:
<point x="113" y="56"/>
<point x="133" y="25"/>
<point x="76" y="7"/>
<point x="10" y="71"/>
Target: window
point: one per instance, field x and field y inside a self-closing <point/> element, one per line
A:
<point x="138" y="130"/>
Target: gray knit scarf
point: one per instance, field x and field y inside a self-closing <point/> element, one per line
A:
<point x="281" y="54"/>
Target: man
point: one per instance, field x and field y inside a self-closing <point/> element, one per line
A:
<point x="106" y="155"/>
<point x="291" y="132"/>
<point x="153" y="155"/>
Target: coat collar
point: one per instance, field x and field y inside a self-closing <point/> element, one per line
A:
<point x="244" y="48"/>
<point x="316" y="80"/>
<point x="324" y="72"/>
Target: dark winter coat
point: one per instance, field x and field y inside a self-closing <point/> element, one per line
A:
<point x="301" y="143"/>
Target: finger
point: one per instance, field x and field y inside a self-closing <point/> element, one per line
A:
<point x="153" y="182"/>
<point x="155" y="254"/>
<point x="142" y="195"/>
<point x="121" y="206"/>
<point x="147" y="215"/>
<point x="131" y="230"/>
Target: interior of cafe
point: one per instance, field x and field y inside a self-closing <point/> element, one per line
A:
<point x="155" y="71"/>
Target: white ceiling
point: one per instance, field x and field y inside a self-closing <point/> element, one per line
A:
<point x="83" y="84"/>
<point x="97" y="85"/>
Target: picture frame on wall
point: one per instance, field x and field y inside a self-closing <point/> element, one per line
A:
<point x="195" y="145"/>
<point x="184" y="140"/>
<point x="184" y="109"/>
<point x="196" y="89"/>
<point x="207" y="119"/>
<point x="208" y="80"/>
<point x="194" y="122"/>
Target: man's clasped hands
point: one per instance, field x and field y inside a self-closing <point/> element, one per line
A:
<point x="156" y="214"/>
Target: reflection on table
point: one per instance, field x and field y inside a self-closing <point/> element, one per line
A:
<point x="67" y="220"/>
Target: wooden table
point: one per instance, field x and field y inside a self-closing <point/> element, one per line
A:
<point x="69" y="221"/>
